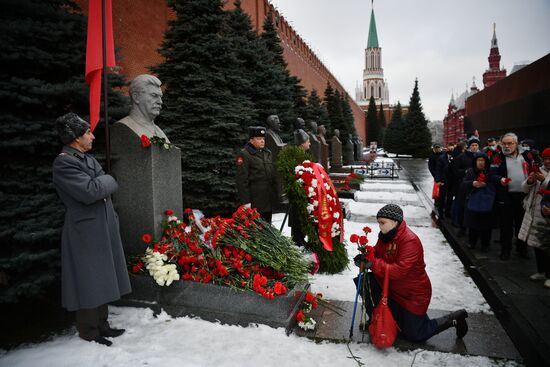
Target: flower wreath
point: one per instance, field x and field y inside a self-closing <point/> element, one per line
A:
<point x="324" y="207"/>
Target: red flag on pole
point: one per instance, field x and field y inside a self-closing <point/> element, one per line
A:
<point x="94" y="53"/>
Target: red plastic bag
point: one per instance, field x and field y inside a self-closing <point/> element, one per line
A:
<point x="435" y="191"/>
<point x="383" y="329"/>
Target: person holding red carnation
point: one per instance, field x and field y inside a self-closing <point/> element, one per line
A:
<point x="480" y="187"/>
<point x="536" y="215"/>
<point x="410" y="289"/>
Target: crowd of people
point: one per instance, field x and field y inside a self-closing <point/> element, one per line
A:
<point x="500" y="186"/>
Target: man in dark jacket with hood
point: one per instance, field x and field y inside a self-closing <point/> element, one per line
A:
<point x="462" y="163"/>
<point x="93" y="265"/>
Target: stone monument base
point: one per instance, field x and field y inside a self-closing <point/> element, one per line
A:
<point x="213" y="302"/>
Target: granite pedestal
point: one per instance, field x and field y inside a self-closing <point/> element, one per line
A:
<point x="216" y="303"/>
<point x="149" y="183"/>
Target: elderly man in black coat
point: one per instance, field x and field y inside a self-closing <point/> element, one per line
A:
<point x="93" y="264"/>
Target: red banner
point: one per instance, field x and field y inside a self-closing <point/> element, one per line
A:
<point x="325" y="216"/>
<point x="94" y="53"/>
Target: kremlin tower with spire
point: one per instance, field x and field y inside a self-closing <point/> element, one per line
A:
<point x="373" y="74"/>
<point x="453" y="122"/>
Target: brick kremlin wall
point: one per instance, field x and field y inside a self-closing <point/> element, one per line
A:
<point x="139" y="26"/>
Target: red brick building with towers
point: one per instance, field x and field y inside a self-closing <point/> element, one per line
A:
<point x="139" y="25"/>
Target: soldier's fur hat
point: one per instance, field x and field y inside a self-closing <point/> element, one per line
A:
<point x="256" y="132"/>
<point x="70" y="126"/>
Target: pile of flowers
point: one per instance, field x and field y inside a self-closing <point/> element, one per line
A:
<point x="311" y="302"/>
<point x="351" y="179"/>
<point x="302" y="317"/>
<point x="242" y="252"/>
<point x="323" y="205"/>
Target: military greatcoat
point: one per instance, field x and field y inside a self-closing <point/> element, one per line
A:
<point x="93" y="264"/>
<point x="256" y="178"/>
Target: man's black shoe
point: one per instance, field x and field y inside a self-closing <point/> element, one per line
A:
<point x="112" y="333"/>
<point x="102" y="340"/>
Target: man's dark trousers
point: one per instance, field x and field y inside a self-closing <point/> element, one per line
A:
<point x="511" y="216"/>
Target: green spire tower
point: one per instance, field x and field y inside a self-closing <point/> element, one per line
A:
<point x="373" y="84"/>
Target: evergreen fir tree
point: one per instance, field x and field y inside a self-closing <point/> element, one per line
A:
<point x="395" y="135"/>
<point x="372" y="120"/>
<point x="315" y="111"/>
<point x="205" y="107"/>
<point x="41" y="78"/>
<point x="418" y="137"/>
<point x="347" y="115"/>
<point x="382" y="124"/>
<point x="266" y="87"/>
<point x="290" y="92"/>
<point x="333" y="106"/>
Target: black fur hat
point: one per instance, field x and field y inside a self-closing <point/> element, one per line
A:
<point x="70" y="126"/>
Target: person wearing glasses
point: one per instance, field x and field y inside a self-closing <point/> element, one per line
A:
<point x="512" y="169"/>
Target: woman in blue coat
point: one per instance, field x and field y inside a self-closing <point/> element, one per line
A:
<point x="479" y="188"/>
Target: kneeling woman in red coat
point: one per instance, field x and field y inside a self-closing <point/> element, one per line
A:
<point x="410" y="289"/>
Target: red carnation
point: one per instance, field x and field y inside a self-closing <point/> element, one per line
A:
<point x="310" y="297"/>
<point x="363" y="240"/>
<point x="367" y="229"/>
<point x="300" y="316"/>
<point x="354" y="238"/>
<point x="481" y="177"/>
<point x="145" y="142"/>
<point x="147" y="238"/>
<point x="136" y="268"/>
<point x="279" y="288"/>
<point x="168" y="212"/>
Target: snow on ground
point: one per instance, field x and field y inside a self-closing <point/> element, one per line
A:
<point x="166" y="341"/>
<point x="184" y="341"/>
<point x="367" y="211"/>
<point x="452" y="287"/>
<point x="383" y="186"/>
<point x="396" y="197"/>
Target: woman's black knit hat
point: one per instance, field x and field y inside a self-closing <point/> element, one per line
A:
<point x="391" y="211"/>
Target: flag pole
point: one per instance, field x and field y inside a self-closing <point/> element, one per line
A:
<point x="105" y="97"/>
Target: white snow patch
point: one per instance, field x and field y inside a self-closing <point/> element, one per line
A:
<point x="164" y="341"/>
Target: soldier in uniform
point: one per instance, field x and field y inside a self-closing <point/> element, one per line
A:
<point x="93" y="265"/>
<point x="256" y="176"/>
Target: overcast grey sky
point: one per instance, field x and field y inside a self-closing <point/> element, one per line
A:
<point x="443" y="43"/>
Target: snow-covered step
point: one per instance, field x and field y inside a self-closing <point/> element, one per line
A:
<point x="366" y="213"/>
<point x="399" y="198"/>
<point x="389" y="186"/>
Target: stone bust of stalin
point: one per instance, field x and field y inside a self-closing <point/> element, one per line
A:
<point x="146" y="99"/>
